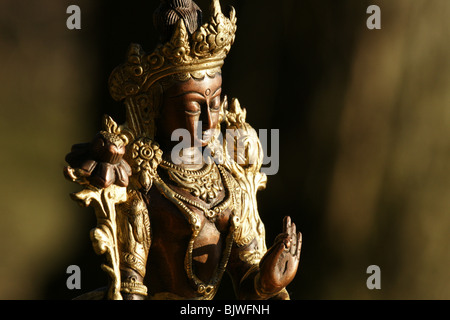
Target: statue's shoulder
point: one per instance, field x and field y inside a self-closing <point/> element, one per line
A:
<point x="243" y="150"/>
<point x="243" y="158"/>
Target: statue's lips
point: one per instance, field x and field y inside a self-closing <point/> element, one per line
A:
<point x="206" y="138"/>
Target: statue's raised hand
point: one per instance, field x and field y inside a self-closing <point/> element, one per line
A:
<point x="279" y="265"/>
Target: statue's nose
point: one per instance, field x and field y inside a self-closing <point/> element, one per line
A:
<point x="206" y="118"/>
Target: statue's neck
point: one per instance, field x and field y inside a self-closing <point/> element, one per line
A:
<point x="188" y="158"/>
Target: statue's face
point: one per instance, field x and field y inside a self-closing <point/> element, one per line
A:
<point x="193" y="105"/>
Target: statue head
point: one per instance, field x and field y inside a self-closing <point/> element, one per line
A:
<point x="178" y="85"/>
<point x="193" y="105"/>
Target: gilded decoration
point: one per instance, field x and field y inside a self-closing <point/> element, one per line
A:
<point x="144" y="157"/>
<point x="171" y="231"/>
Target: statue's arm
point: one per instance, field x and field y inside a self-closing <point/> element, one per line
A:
<point x="245" y="275"/>
<point x="268" y="277"/>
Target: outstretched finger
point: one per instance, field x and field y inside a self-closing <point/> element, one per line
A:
<point x="293" y="228"/>
<point x="293" y="240"/>
<point x="299" y="245"/>
<point x="286" y="224"/>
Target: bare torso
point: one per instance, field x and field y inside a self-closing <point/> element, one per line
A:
<point x="171" y="233"/>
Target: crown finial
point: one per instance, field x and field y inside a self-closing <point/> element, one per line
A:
<point x="186" y="46"/>
<point x="169" y="12"/>
<point x="215" y="8"/>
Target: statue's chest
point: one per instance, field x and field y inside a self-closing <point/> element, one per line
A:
<point x="180" y="220"/>
<point x="204" y="197"/>
<point x="181" y="223"/>
<point x="196" y="214"/>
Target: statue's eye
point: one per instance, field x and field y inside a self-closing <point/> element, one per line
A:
<point x="192" y="109"/>
<point x="193" y="113"/>
<point x="215" y="104"/>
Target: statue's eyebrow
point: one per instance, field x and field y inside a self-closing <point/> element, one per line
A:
<point x="214" y="93"/>
<point x="187" y="92"/>
<point x="195" y="92"/>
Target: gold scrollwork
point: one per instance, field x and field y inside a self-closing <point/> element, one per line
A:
<point x="104" y="236"/>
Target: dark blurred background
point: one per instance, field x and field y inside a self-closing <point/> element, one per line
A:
<point x="364" y="120"/>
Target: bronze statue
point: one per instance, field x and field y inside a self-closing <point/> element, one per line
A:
<point x="170" y="220"/>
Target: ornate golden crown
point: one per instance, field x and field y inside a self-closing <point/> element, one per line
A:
<point x="185" y="52"/>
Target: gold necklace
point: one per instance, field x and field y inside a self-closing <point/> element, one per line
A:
<point x="205" y="183"/>
<point x="206" y="290"/>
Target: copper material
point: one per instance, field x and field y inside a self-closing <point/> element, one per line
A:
<point x="168" y="230"/>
